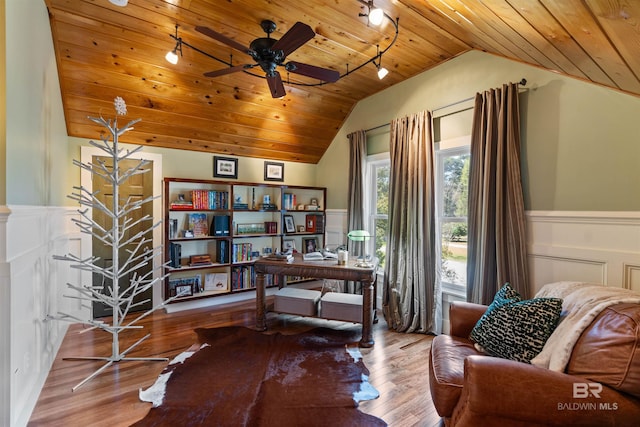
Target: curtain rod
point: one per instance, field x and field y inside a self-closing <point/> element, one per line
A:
<point x="522" y="82"/>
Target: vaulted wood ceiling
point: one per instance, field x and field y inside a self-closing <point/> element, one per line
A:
<point x="104" y="51"/>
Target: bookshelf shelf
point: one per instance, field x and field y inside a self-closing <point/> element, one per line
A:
<point x="202" y="218"/>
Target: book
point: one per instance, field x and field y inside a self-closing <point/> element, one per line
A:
<point x="198" y="224"/>
<point x="222" y="251"/>
<point x="319" y="256"/>
<point x="216" y="282"/>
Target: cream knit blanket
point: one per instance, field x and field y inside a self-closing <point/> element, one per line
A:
<point x="582" y="302"/>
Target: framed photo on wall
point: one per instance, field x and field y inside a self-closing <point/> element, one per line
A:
<point x="273" y="171"/>
<point x="225" y="167"/>
<point x="288" y="244"/>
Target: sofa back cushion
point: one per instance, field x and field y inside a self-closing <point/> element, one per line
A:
<point x="608" y="351"/>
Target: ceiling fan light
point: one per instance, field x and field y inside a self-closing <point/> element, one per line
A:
<point x="382" y="72"/>
<point x="172" y="57"/>
<point x="376" y="15"/>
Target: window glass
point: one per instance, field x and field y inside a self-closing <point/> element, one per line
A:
<point x="378" y="206"/>
<point x="452" y="185"/>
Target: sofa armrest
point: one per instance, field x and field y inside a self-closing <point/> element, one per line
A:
<point x="505" y="392"/>
<point x="463" y="316"/>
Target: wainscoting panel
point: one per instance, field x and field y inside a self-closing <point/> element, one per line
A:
<point x="598" y="247"/>
<point x="33" y="285"/>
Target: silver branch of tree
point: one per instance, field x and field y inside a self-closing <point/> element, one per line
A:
<point x="129" y="253"/>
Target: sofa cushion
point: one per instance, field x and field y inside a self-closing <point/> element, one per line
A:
<point x="446" y="371"/>
<point x="608" y="351"/>
<point x="515" y="329"/>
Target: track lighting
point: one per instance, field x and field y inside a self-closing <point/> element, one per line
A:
<point x="172" y="55"/>
<point x="382" y="72"/>
<point x="375" y="15"/>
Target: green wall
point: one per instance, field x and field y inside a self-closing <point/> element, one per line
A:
<point x="197" y="165"/>
<point x="580" y="148"/>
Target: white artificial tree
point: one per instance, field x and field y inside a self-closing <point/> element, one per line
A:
<point x="114" y="235"/>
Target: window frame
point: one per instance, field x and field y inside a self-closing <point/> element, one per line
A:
<point x="443" y="149"/>
<point x="374" y="161"/>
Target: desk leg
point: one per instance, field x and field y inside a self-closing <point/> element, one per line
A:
<point x="367" y="315"/>
<point x="261" y="303"/>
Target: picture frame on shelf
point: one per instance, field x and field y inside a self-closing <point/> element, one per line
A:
<point x="301" y="229"/>
<point x="289" y="224"/>
<point x="310" y="244"/>
<point x="314" y="202"/>
<point x="273" y="171"/>
<point x="288" y="244"/>
<point x="225" y="167"/>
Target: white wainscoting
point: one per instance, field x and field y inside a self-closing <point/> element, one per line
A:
<point x="33" y="284"/>
<point x="598" y="247"/>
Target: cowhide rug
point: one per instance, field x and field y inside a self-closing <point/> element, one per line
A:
<point x="240" y="377"/>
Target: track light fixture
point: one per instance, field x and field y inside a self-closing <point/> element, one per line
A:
<point x="172" y="55"/>
<point x="375" y="15"/>
<point x="382" y="72"/>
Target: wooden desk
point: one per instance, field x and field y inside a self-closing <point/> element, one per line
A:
<point x="320" y="270"/>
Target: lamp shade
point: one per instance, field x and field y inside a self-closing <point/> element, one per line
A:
<point x="376" y="15"/>
<point x="172" y="57"/>
<point x="359" y="235"/>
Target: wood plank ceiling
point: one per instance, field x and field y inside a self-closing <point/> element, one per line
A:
<point x="104" y="51"/>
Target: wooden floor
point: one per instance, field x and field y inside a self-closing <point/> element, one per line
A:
<point x="397" y="362"/>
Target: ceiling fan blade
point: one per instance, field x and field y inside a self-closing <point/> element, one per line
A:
<point x="297" y="35"/>
<point x="222" y="38"/>
<point x="275" y="85"/>
<point x="229" y="70"/>
<point x="324" y="74"/>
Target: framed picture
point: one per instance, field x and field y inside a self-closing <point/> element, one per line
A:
<point x="301" y="229"/>
<point x="289" y="225"/>
<point x="314" y="202"/>
<point x="225" y="167"/>
<point x="273" y="171"/>
<point x="288" y="244"/>
<point x="310" y="245"/>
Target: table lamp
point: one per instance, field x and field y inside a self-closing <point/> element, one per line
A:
<point x="361" y="236"/>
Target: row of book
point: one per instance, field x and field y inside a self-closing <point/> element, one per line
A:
<point x="210" y="199"/>
<point x="289" y="201"/>
<point x="244" y="277"/>
<point x="241" y="252"/>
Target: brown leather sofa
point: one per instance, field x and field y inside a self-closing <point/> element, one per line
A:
<point x="471" y="389"/>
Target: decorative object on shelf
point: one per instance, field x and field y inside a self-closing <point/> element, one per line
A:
<point x="269" y="53"/>
<point x="301" y="229"/>
<point x="225" y="167"/>
<point x="361" y="236"/>
<point x="289" y="225"/>
<point x="218" y="282"/>
<point x="288" y="245"/>
<point x="254" y="228"/>
<point x="273" y="171"/>
<point x="198" y="224"/>
<point x="124" y="263"/>
<point x="196" y="260"/>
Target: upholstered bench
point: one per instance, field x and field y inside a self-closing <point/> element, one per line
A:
<point x="340" y="306"/>
<point x="303" y="302"/>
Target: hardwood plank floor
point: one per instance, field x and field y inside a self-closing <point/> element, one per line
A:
<point x="398" y="365"/>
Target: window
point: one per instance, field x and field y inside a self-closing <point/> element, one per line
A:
<point x="452" y="187"/>
<point x="378" y="167"/>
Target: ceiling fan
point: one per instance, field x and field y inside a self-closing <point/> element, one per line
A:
<point x="270" y="53"/>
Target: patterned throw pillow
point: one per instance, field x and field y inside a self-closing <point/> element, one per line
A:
<point x="515" y="329"/>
